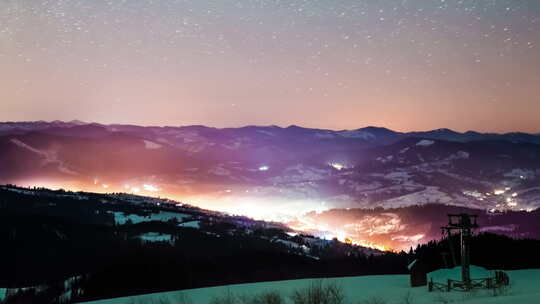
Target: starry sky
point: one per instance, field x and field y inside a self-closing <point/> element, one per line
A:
<point x="403" y="64"/>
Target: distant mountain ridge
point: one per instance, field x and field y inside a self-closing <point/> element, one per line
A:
<point x="372" y="133"/>
<point x="286" y="170"/>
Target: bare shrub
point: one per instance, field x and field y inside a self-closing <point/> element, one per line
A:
<point x="319" y="293"/>
<point x="178" y="299"/>
<point x="335" y="294"/>
<point x="130" y="301"/>
<point x="181" y="298"/>
<point x="407" y="298"/>
<point x="502" y="290"/>
<point x="160" y="301"/>
<point x="272" y="297"/>
<point x="373" y="300"/>
<point x="226" y="298"/>
<point x="442" y="299"/>
<point x="269" y="297"/>
<point x="471" y="294"/>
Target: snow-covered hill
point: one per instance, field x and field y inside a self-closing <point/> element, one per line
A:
<point x="387" y="289"/>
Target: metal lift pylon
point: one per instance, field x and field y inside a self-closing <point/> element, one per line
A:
<point x="464" y="224"/>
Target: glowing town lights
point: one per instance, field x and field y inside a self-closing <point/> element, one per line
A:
<point x="150" y="188"/>
<point x="499" y="192"/>
<point x="514" y="194"/>
<point x="341" y="236"/>
<point x="321" y="208"/>
<point x="368" y="244"/>
<point x="511" y="202"/>
<point x="269" y="208"/>
<point x="337" y="166"/>
<point x="475" y="194"/>
<point x="264" y="168"/>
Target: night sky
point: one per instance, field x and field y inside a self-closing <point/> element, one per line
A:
<point x="405" y="65"/>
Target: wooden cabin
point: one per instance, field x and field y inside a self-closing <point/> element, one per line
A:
<point x="418" y="272"/>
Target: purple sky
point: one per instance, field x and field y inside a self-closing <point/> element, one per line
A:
<point x="406" y="65"/>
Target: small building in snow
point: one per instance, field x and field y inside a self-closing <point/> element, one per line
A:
<point x="418" y="272"/>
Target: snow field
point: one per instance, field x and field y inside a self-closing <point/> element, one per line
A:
<point x="390" y="289"/>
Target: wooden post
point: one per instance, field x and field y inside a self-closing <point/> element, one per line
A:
<point x="451" y="246"/>
<point x="465" y="224"/>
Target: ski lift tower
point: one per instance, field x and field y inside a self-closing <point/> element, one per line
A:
<point x="464" y="224"/>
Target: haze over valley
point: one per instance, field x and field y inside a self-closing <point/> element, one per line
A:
<point x="292" y="175"/>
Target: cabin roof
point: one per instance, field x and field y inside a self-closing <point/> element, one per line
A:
<point x="411" y="265"/>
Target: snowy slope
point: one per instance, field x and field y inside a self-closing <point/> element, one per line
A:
<point x="525" y="288"/>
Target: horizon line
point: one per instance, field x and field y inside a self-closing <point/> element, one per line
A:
<point x="81" y="122"/>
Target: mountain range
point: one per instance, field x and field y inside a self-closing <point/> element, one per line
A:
<point x="274" y="173"/>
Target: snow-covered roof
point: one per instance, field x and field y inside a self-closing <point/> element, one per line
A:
<point x="411" y="265"/>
